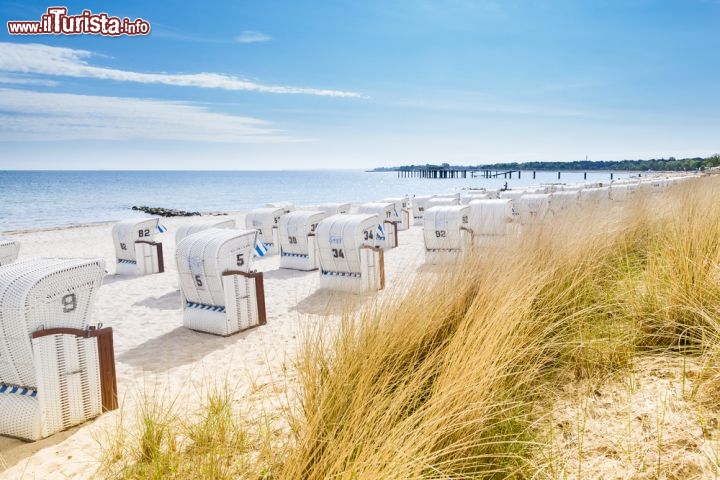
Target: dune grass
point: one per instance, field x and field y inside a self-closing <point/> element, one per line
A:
<point x="454" y="378"/>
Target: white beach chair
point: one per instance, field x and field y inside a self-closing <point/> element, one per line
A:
<point x="447" y="233"/>
<point x="419" y="204"/>
<point x="9" y="250"/>
<point x="348" y="260"/>
<point x="220" y="294"/>
<point x="286" y="206"/>
<point x="402" y="211"/>
<point x="266" y="221"/>
<point x="594" y="196"/>
<point x="386" y="233"/>
<point x="564" y="200"/>
<point x="298" y="245"/>
<point x="491" y="221"/>
<point x="533" y="207"/>
<point x="56" y="369"/>
<point x="622" y="192"/>
<point x="333" y="208"/>
<point x="199" y="226"/>
<point x="136" y="251"/>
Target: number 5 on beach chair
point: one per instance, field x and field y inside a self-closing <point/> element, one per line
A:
<point x="220" y="294"/>
<point x="56" y="369"/>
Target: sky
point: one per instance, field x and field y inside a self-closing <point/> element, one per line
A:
<point x="288" y="84"/>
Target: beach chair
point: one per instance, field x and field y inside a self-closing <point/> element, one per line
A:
<point x="386" y="232"/>
<point x="298" y="245"/>
<point x="402" y="211"/>
<point x="447" y="233"/>
<point x="286" y="206"/>
<point x="348" y="260"/>
<point x="469" y="197"/>
<point x="419" y="204"/>
<point x="594" y="196"/>
<point x="195" y="227"/>
<point x="564" y="200"/>
<point x="220" y="294"/>
<point x="491" y="221"/>
<point x="9" y="250"/>
<point x="334" y="208"/>
<point x="136" y="251"/>
<point x="533" y="207"/>
<point x="622" y="192"/>
<point x="56" y="368"/>
<point x="266" y="221"/>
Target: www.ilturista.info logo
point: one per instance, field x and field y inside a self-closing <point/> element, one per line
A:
<point x="57" y="22"/>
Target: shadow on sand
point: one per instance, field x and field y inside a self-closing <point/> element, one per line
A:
<point x="169" y="301"/>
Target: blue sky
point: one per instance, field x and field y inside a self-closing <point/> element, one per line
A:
<point x="353" y="84"/>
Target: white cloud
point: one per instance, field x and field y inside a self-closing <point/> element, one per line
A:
<point x="46" y="60"/>
<point x="251" y="36"/>
<point x="11" y="79"/>
<point x="35" y="116"/>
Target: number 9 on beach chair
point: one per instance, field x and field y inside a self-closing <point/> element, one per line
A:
<point x="9" y="250"/>
<point x="298" y="245"/>
<point x="447" y="233"/>
<point x="348" y="260"/>
<point x="135" y="249"/>
<point x="220" y="294"/>
<point x="56" y="370"/>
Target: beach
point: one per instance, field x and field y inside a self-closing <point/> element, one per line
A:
<point x="157" y="357"/>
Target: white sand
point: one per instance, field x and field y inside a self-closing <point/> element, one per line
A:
<point x="156" y="354"/>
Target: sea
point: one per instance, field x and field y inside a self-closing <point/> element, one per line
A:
<point x="46" y="199"/>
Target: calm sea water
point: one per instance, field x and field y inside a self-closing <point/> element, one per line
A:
<point x="38" y="199"/>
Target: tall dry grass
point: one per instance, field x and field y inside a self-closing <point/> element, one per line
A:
<point x="451" y="379"/>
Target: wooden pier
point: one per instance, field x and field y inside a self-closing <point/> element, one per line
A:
<point x="453" y="172"/>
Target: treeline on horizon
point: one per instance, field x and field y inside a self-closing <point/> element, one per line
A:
<point x="662" y="164"/>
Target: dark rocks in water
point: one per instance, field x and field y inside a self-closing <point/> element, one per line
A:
<point x="164" y="212"/>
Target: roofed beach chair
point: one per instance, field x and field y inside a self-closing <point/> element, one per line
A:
<point x="447" y="233"/>
<point x="56" y="368"/>
<point x="419" y="204"/>
<point x="402" y="209"/>
<point x="298" y="245"/>
<point x="564" y="200"/>
<point x="386" y="233"/>
<point x="348" y="260"/>
<point x="334" y="208"/>
<point x="533" y="207"/>
<point x="9" y="250"/>
<point x="136" y="251"/>
<point x="594" y="196"/>
<point x="286" y="206"/>
<point x="220" y="293"/>
<point x="195" y="227"/>
<point x="491" y="221"/>
<point x="266" y="221"/>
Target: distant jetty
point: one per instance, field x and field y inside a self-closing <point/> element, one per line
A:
<point x="168" y="212"/>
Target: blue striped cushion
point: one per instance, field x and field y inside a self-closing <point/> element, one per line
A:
<point x="17" y="390"/>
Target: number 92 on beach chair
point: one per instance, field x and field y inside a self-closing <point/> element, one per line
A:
<point x="220" y="294"/>
<point x="136" y="251"/>
<point x="56" y="369"/>
<point x="447" y="233"/>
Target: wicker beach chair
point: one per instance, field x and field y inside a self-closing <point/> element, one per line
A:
<point x="402" y="211"/>
<point x="266" y="221"/>
<point x="56" y="368"/>
<point x="195" y="227"/>
<point x="334" y="208"/>
<point x="419" y="205"/>
<point x="286" y="206"/>
<point x="491" y="221"/>
<point x="9" y="250"/>
<point x="533" y="207"/>
<point x="220" y="294"/>
<point x="136" y="251"/>
<point x="386" y="233"/>
<point x="447" y="233"/>
<point x="348" y="260"/>
<point x="298" y="245"/>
